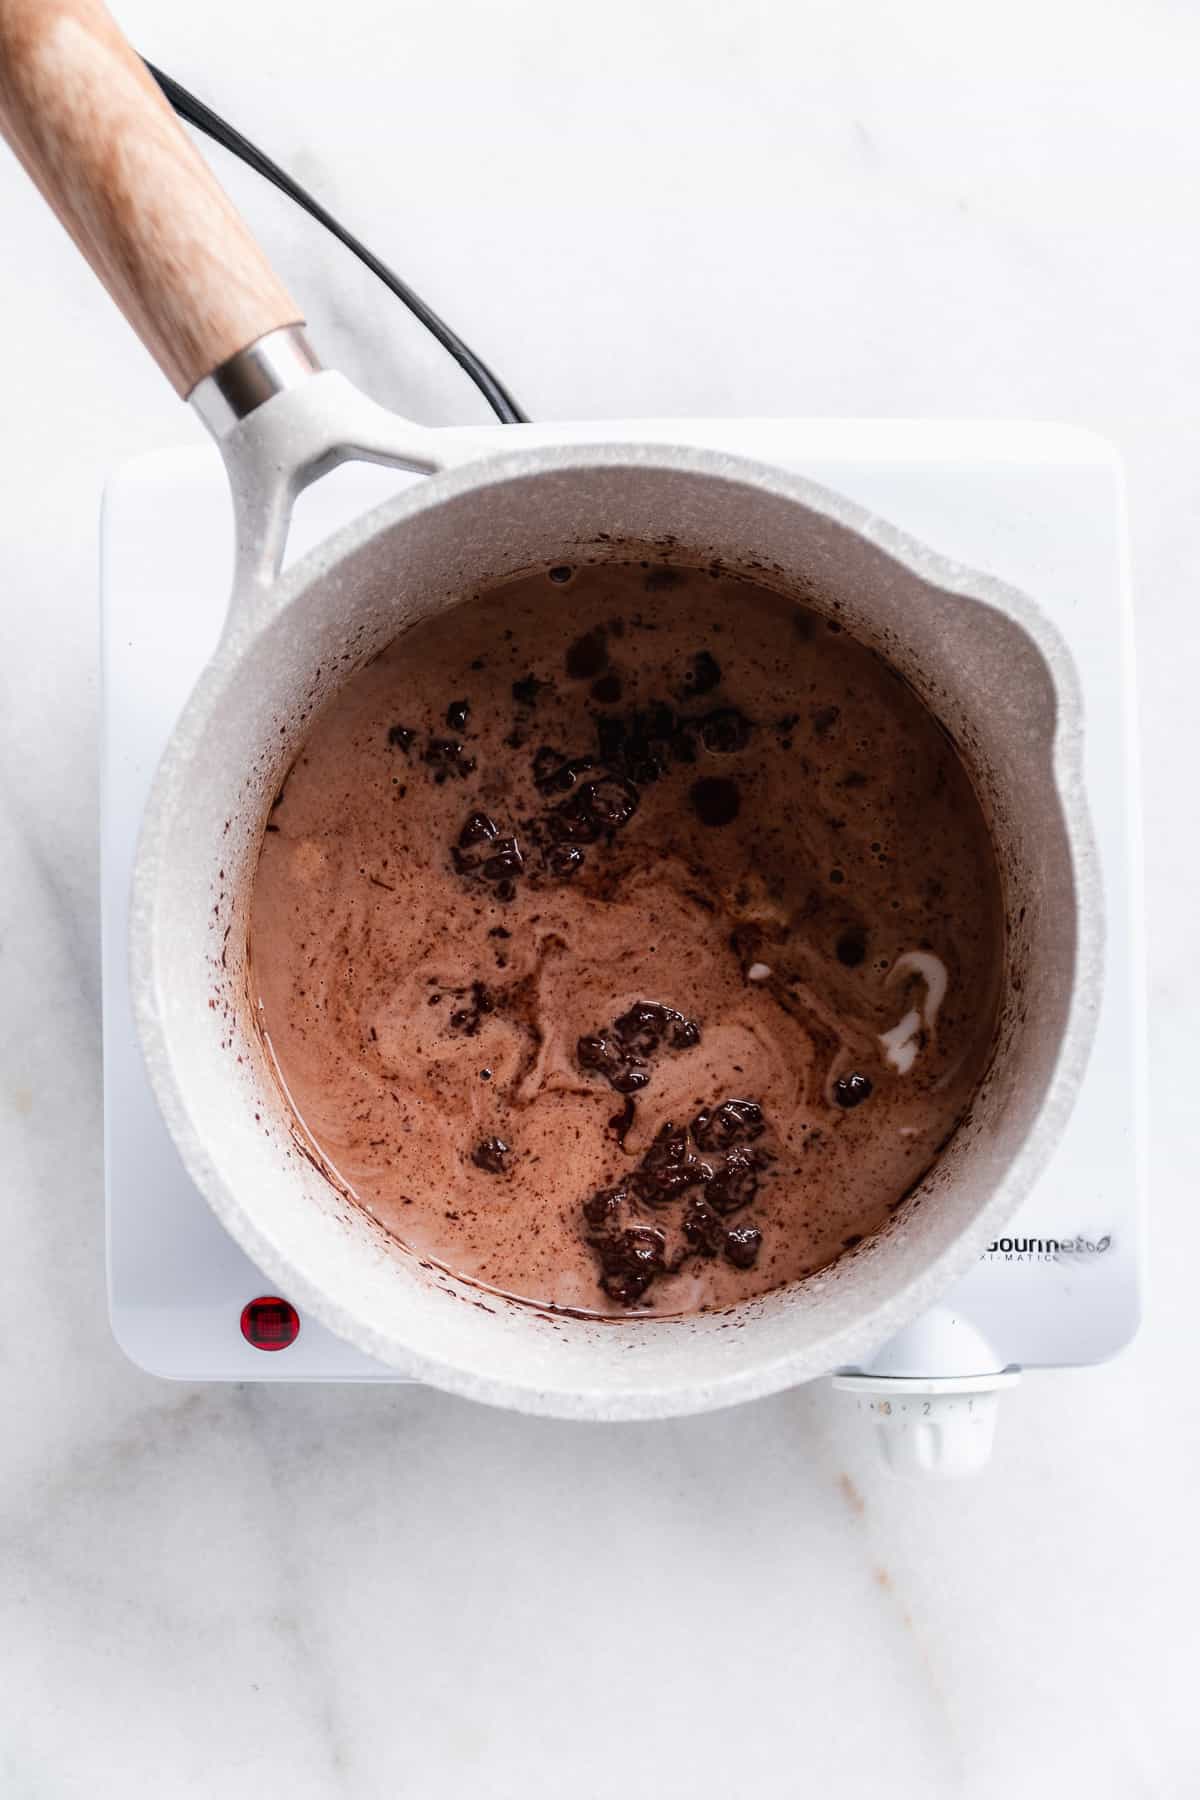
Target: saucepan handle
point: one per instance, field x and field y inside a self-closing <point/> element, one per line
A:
<point x="92" y="129"/>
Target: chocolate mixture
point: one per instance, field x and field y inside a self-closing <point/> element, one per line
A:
<point x="628" y="938"/>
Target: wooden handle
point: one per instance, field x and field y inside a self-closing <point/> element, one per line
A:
<point x="93" y="131"/>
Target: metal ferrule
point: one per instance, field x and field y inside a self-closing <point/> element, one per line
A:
<point x="279" y="360"/>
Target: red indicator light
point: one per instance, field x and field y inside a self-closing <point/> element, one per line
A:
<point x="270" y="1323"/>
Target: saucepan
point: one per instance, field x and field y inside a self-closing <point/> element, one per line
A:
<point x="95" y="135"/>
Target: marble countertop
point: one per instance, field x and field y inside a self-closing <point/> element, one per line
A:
<point x="645" y="208"/>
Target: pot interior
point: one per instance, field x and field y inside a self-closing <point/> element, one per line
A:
<point x="993" y="676"/>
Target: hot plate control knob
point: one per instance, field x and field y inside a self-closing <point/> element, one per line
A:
<point x="941" y="1426"/>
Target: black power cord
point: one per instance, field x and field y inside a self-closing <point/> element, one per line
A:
<point x="209" y="122"/>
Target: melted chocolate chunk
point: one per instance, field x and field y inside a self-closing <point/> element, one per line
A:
<point x="400" y="737"/>
<point x="564" y="773"/>
<point x="505" y="862"/>
<point x="852" y="1090"/>
<point x="631" y="1253"/>
<point x="457" y="714"/>
<point x="446" y="756"/>
<point x="606" y="1205"/>
<point x="621" y="1122"/>
<point x="547" y="765"/>
<point x="622" y="1050"/>
<point x="852" y="947"/>
<point x="595" y="808"/>
<point x="709" y="1187"/>
<point x="701" y="677"/>
<point x="611" y="801"/>
<point x="491" y="1155"/>
<point x="600" y="1055"/>
<point x="468" y="1019"/>
<point x="588" y="655"/>
<point x="725" y="731"/>
<point x="669" y="1167"/>
<point x="630" y="1262"/>
<point x="525" y="692"/>
<point x="644" y="1027"/>
<point x="643" y="745"/>
<point x="563" y="860"/>
<point x="735" y="1184"/>
<point x="482" y="851"/>
<point x="715" y="801"/>
<point x="701" y="1226"/>
<point x="573" y="823"/>
<point x="742" y="1245"/>
<point x="478" y="828"/>
<point x="825" y="718"/>
<point x="732" y="1122"/>
<point x="612" y="735"/>
<point x="607" y="689"/>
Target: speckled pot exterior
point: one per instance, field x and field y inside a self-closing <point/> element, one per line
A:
<point x="980" y="654"/>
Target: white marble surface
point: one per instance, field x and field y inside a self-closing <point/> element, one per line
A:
<point x="646" y="207"/>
